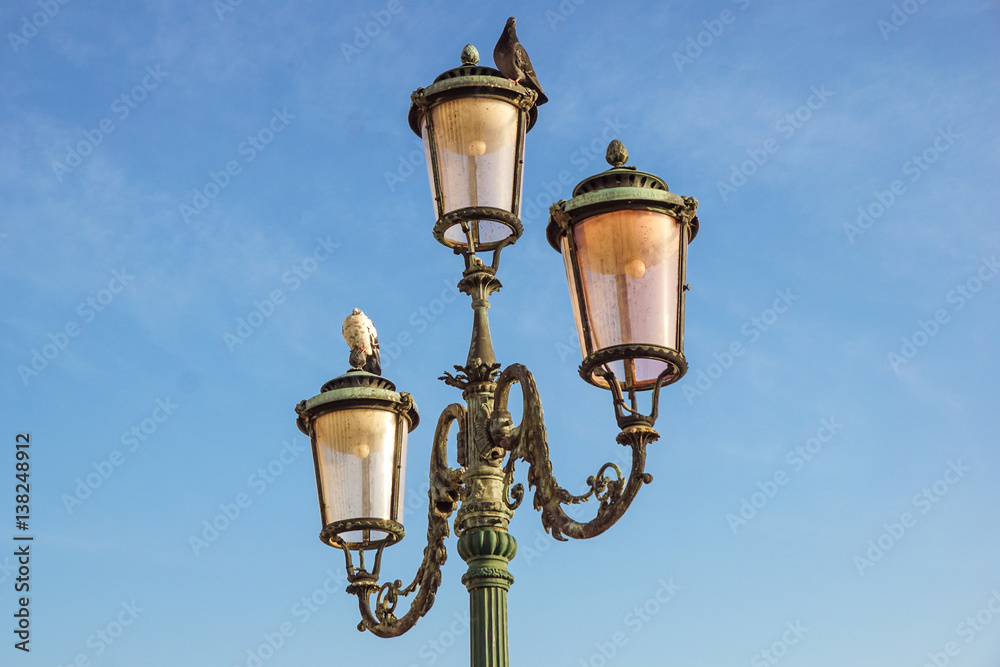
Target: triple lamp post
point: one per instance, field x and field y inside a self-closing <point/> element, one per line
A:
<point x="623" y="237"/>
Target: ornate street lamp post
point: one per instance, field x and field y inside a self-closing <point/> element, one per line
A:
<point x="623" y="237"/>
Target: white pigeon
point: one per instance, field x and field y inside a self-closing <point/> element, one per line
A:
<point x="360" y="334"/>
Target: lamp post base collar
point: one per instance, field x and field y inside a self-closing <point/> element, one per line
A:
<point x="487" y="551"/>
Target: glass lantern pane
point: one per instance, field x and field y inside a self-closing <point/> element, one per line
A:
<point x="476" y="141"/>
<point x="574" y="300"/>
<point x="628" y="265"/>
<point x="354" y="451"/>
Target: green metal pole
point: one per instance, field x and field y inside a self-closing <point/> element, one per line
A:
<point x="482" y="520"/>
<point x="487" y="551"/>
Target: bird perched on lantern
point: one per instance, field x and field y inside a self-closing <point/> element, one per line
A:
<point x="513" y="62"/>
<point x="361" y="337"/>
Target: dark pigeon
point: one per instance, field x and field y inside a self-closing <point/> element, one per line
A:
<point x="513" y="62"/>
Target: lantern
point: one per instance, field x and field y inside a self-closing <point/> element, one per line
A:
<point x="358" y="426"/>
<point x="472" y="121"/>
<point x="624" y="238"/>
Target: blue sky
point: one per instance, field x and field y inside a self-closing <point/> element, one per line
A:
<point x="825" y="484"/>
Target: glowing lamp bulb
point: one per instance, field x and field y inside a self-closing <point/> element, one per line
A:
<point x="477" y="147"/>
<point x="362" y="451"/>
<point x="635" y="269"/>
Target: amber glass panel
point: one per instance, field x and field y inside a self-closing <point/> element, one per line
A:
<point x="476" y="139"/>
<point x="574" y="301"/>
<point x="628" y="264"/>
<point x="354" y="449"/>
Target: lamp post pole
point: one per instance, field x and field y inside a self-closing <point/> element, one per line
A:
<point x="483" y="517"/>
<point x="623" y="236"/>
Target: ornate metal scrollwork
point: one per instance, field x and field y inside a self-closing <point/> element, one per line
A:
<point x="625" y="415"/>
<point x="512" y="494"/>
<point x="471" y="374"/>
<point x="385" y="602"/>
<point x="443" y="496"/>
<point x="528" y="441"/>
<point x="604" y="488"/>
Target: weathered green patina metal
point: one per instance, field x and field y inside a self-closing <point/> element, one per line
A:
<point x="482" y="488"/>
<point x="621" y="188"/>
<point x="444" y="495"/>
<point x="487" y="551"/>
<point x="528" y="441"/>
<point x="472" y="80"/>
<point x="359" y="389"/>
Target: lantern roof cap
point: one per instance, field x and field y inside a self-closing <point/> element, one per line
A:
<point x="472" y="77"/>
<point x="358" y="378"/>
<point x="619" y="175"/>
<point x="618" y="188"/>
<point x="356" y="388"/>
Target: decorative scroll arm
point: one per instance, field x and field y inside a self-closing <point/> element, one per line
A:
<point x="528" y="441"/>
<point x="444" y="493"/>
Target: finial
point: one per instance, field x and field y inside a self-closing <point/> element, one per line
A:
<point x="470" y="56"/>
<point x="617" y="155"/>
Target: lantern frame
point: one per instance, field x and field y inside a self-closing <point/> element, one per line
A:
<point x="471" y="80"/>
<point x="360" y="390"/>
<point x="623" y="188"/>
